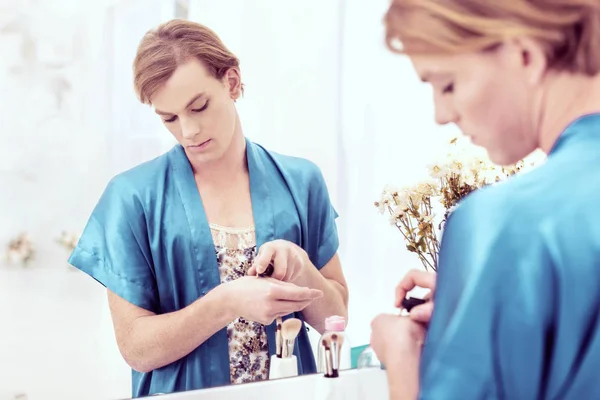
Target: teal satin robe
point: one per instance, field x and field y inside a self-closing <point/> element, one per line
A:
<point x="517" y="306"/>
<point x="148" y="240"/>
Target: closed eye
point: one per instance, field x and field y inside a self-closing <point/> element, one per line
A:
<point x="195" y="110"/>
<point x="204" y="107"/>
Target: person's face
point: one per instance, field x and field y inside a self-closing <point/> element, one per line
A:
<point x="491" y="96"/>
<point x="199" y="110"/>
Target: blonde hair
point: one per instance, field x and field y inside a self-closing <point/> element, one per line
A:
<point x="163" y="49"/>
<point x="569" y="30"/>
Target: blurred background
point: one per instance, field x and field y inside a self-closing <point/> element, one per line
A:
<point x="320" y="84"/>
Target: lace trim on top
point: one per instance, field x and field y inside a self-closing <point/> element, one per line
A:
<point x="233" y="238"/>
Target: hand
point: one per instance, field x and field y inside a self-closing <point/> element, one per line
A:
<point x="264" y="299"/>
<point x="288" y="260"/>
<point x="397" y="341"/>
<point x="412" y="279"/>
<point x="394" y="336"/>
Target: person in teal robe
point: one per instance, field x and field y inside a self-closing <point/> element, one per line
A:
<point x="517" y="305"/>
<point x="177" y="240"/>
<point x="142" y="240"/>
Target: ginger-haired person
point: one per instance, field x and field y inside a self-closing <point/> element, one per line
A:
<point x="517" y="296"/>
<point x="178" y="240"/>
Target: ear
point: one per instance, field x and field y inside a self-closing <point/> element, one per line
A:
<point x="233" y="81"/>
<point x="529" y="56"/>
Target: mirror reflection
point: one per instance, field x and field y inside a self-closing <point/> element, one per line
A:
<point x="218" y="251"/>
<point x="210" y="197"/>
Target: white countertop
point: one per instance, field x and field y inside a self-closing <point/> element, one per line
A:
<point x="355" y="384"/>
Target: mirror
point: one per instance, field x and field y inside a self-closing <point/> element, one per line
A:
<point x="71" y="122"/>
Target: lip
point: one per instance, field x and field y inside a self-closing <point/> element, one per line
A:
<point x="199" y="147"/>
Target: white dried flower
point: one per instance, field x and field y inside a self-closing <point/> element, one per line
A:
<point x="437" y="170"/>
<point x="20" y="250"/>
<point x="68" y="240"/>
<point x="398" y="212"/>
<point x="429" y="188"/>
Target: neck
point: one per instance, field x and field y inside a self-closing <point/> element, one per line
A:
<point x="229" y="166"/>
<point x="566" y="98"/>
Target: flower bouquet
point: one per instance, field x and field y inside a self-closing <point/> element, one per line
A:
<point x="420" y="211"/>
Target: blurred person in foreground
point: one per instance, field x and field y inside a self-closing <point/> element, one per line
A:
<point x="178" y="240"/>
<point x="517" y="295"/>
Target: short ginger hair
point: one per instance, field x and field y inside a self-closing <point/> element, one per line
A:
<point x="568" y="30"/>
<point x="171" y="44"/>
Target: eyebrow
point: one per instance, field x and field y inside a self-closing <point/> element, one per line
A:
<point x="196" y="97"/>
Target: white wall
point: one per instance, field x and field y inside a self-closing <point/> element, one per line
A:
<point x="387" y="136"/>
<point x="56" y="339"/>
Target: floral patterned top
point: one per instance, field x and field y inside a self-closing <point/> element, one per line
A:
<point x="248" y="349"/>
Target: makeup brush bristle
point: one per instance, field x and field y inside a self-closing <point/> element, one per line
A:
<point x="291" y="328"/>
<point x="338" y="338"/>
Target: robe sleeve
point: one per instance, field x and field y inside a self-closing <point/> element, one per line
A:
<point x="114" y="247"/>
<point x="491" y="326"/>
<point x="323" y="240"/>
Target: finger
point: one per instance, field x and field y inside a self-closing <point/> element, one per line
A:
<point x="285" y="307"/>
<point x="263" y="258"/>
<point x="294" y="265"/>
<point x="294" y="293"/>
<point x="252" y="271"/>
<point x="413" y="279"/>
<point x="273" y="281"/>
<point x="289" y="266"/>
<point x="280" y="263"/>
<point x="422" y="313"/>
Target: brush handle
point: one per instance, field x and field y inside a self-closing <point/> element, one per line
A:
<point x="278" y="338"/>
<point x="328" y="364"/>
<point x="288" y="348"/>
<point x="335" y="356"/>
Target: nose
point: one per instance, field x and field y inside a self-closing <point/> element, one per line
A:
<point x="189" y="128"/>
<point x="444" y="112"/>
